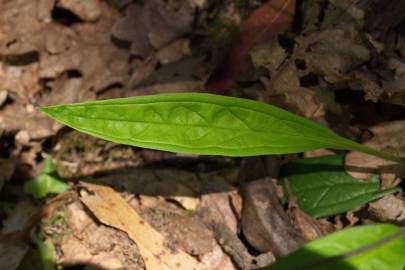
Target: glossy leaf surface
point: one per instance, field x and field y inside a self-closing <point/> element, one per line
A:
<point x="201" y="124"/>
<point x="371" y="247"/>
<point x="322" y="187"/>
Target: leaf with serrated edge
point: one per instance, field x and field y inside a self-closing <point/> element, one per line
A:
<point x="379" y="246"/>
<point x="201" y="123"/>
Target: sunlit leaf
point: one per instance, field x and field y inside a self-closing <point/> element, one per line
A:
<point x="379" y="247"/>
<point x="202" y="124"/>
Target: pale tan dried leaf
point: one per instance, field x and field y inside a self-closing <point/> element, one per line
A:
<point x="110" y="208"/>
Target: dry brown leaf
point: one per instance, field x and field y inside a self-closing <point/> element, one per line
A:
<point x="335" y="52"/>
<point x="174" y="51"/>
<point x="20" y="29"/>
<point x="263" y="24"/>
<point x="111" y="209"/>
<point x="388" y="137"/>
<point x="175" y="19"/>
<point x="20" y="81"/>
<point x="265" y="223"/>
<point x="71" y="63"/>
<point x="218" y="208"/>
<point x="13" y="252"/>
<point x="79" y="239"/>
<point x="192" y="237"/>
<point x="35" y="123"/>
<point x="88" y="10"/>
<point x="388" y="209"/>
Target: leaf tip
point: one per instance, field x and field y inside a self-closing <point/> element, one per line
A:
<point x="50" y="111"/>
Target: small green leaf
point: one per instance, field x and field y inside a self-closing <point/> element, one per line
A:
<point x="371" y="247"/>
<point x="200" y="123"/>
<point x="47" y="182"/>
<point x="323" y="188"/>
<point x="45" y="252"/>
<point x="49" y="167"/>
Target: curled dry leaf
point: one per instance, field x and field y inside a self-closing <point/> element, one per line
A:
<point x="111" y="209"/>
<point x="387" y="137"/>
<point x="174" y="51"/>
<point x="263" y="24"/>
<point x="310" y="228"/>
<point x="335" y="52"/>
<point x="220" y="203"/>
<point x="389" y="208"/>
<point x="167" y="19"/>
<point x="285" y="87"/>
<point x="78" y="239"/>
<point x="385" y="84"/>
<point x="265" y="223"/>
<point x="38" y="53"/>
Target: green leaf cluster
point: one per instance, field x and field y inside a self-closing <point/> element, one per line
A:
<point x="47" y="182"/>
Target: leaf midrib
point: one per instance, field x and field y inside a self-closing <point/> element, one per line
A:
<point x="300" y="136"/>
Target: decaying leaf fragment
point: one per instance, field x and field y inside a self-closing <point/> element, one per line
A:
<point x="111" y="209"/>
<point x="141" y="26"/>
<point x="387" y="137"/>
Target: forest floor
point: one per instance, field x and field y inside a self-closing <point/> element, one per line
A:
<point x="72" y="201"/>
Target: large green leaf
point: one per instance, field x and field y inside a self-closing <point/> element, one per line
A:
<point x="371" y="247"/>
<point x="202" y="124"/>
<point x="323" y="188"/>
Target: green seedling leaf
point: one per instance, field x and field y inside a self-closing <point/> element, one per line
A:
<point x="204" y="124"/>
<point x="47" y="182"/>
<point x="45" y="253"/>
<point x="379" y="247"/>
<point x="322" y="187"/>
